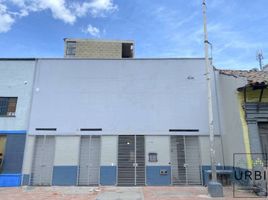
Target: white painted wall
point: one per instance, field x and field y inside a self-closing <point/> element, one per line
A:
<point x="67" y="150"/>
<point x="232" y="132"/>
<point x="159" y="145"/>
<point x="205" y="150"/>
<point x="109" y="150"/>
<point x="16" y="80"/>
<point x="28" y="154"/>
<point x="133" y="96"/>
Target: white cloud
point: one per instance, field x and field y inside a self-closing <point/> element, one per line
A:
<point x="65" y="10"/>
<point x="95" y="7"/>
<point x="94" y="31"/>
<point x="58" y="9"/>
<point x="6" y="20"/>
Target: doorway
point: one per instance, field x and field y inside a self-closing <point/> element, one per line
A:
<point x="131" y="160"/>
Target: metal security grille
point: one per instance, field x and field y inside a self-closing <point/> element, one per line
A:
<point x="89" y="161"/>
<point x="131" y="160"/>
<point x="185" y="160"/>
<point x="43" y="160"/>
<point x="263" y="130"/>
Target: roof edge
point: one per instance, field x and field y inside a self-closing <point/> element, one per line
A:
<point x="11" y="59"/>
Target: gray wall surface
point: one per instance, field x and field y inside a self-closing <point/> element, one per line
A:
<point x="13" y="77"/>
<point x="232" y="132"/>
<point x="135" y="96"/>
<point x="205" y="150"/>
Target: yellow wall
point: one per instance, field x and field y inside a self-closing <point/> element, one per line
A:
<point x="245" y="130"/>
<point x="253" y="95"/>
<point x="2" y="149"/>
<point x="2" y="144"/>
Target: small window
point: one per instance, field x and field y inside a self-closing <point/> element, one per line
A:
<point x="127" y="50"/>
<point x="8" y="106"/>
<point x="152" y="157"/>
<point x="70" y="48"/>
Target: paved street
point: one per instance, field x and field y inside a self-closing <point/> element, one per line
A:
<point x="112" y="193"/>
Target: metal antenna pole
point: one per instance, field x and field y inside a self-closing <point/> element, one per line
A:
<point x="259" y="57"/>
<point x="210" y="112"/>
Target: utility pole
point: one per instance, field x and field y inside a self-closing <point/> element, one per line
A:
<point x="214" y="188"/>
<point x="259" y="58"/>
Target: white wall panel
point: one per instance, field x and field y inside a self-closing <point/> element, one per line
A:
<point x="205" y="150"/>
<point x="120" y="96"/>
<point x="159" y="145"/>
<point x="109" y="150"/>
<point x="28" y="155"/>
<point x="67" y="150"/>
<point x="16" y="80"/>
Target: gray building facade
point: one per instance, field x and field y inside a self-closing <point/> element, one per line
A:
<point x="119" y="122"/>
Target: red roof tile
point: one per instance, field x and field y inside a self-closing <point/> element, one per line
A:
<point x="253" y="77"/>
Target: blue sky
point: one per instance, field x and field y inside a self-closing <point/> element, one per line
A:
<point x="166" y="28"/>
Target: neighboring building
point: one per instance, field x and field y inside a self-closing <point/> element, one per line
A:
<point x="119" y="122"/>
<point x="16" y="83"/>
<point x="248" y="93"/>
<point x="101" y="49"/>
<point x="244" y="100"/>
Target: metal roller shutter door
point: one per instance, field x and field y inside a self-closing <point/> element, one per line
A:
<point x="43" y="161"/>
<point x="185" y="160"/>
<point x="89" y="161"/>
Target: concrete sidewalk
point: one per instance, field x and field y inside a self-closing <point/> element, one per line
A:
<point x="114" y="193"/>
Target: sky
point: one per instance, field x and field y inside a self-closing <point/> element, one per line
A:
<point x="237" y="29"/>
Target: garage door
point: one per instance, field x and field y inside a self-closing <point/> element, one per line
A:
<point x="131" y="160"/>
<point x="43" y="160"/>
<point x="89" y="161"/>
<point x="185" y="160"/>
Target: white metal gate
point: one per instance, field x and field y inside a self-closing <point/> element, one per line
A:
<point x="89" y="160"/>
<point x="131" y="160"/>
<point x="185" y="160"/>
<point x="43" y="160"/>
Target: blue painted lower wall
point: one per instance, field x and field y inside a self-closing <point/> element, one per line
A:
<point x="153" y="176"/>
<point x="64" y="175"/>
<point x="225" y="170"/>
<point x="14" y="151"/>
<point x="10" y="180"/>
<point x="108" y="175"/>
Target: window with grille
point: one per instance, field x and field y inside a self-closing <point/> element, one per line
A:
<point x="8" y="106"/>
<point x="152" y="157"/>
<point x="70" y="48"/>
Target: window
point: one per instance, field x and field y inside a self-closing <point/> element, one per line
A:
<point x="127" y="50"/>
<point x="8" y="106"/>
<point x="70" y="48"/>
<point x="152" y="157"/>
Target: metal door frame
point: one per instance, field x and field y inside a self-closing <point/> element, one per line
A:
<point x="135" y="155"/>
<point x="33" y="159"/>
<point x="79" y="152"/>
<point x="200" y="170"/>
